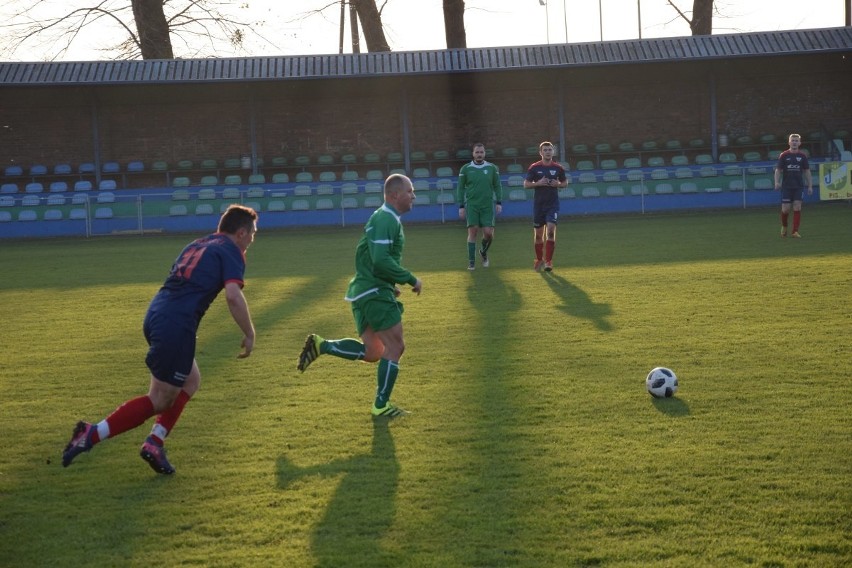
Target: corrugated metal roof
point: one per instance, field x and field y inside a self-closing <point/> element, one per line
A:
<point x="759" y="44"/>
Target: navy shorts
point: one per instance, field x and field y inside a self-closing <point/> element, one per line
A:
<point x="543" y="216"/>
<point x="171" y="348"/>
<point x="788" y="195"/>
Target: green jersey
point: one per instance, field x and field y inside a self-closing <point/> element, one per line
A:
<point x="378" y="256"/>
<point x="479" y="186"/>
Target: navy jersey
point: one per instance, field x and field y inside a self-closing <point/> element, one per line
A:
<point x="791" y="165"/>
<point x="197" y="276"/>
<point x="545" y="197"/>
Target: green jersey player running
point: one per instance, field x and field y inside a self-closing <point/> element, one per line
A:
<point x="479" y="195"/>
<point x="373" y="295"/>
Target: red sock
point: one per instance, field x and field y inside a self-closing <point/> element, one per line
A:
<point x="550" y="245"/>
<point x="167" y="420"/>
<point x="797" y="217"/>
<point x="129" y="415"/>
<point x="784" y="220"/>
<point x="539" y="250"/>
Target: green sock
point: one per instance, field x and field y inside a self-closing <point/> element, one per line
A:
<point x="351" y="349"/>
<point x="471" y="252"/>
<point x="385" y="377"/>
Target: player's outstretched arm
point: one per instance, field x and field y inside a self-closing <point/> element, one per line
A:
<point x="238" y="306"/>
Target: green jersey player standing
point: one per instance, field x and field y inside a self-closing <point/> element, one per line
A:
<point x="479" y="195"/>
<point x="373" y="295"/>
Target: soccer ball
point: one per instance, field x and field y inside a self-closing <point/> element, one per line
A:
<point x="661" y="382"/>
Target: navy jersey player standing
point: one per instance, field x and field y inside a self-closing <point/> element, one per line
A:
<point x="204" y="268"/>
<point x="547" y="177"/>
<point x="791" y="173"/>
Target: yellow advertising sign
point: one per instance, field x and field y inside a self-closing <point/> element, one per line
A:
<point x="835" y="180"/>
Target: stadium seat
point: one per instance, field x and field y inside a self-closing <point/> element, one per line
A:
<point x="445" y="171"/>
<point x="276" y="205"/>
<point x="12" y="171"/>
<point x="233" y="163"/>
<point x="256" y="179"/>
<point x="394" y="158"/>
<point x="585" y="165"/>
<point x="763" y="183"/>
<point x="659" y="173"/>
<point x="578" y="149"/>
<point x="440" y="155"/>
<point x="160" y="166"/>
<point x="103" y="213"/>
<point x="509" y="152"/>
<point x="375" y="175"/>
<point x="423" y="199"/>
<point x="304" y="177"/>
<point x="180" y="195"/>
<point x="663" y="189"/>
<point x="135" y="166"/>
<point x="752" y="157"/>
<point x="517" y="195"/>
<point x="232" y="179"/>
<point x="417" y="156"/>
<point x="30" y="201"/>
<point x="206" y="164"/>
<point x="57" y="186"/>
<point x="185" y="165"/>
<point x="463" y="154"/>
<point x="62" y="169"/>
<point x="13" y="187"/>
<point x="626" y="147"/>
<point x="421" y="185"/>
<point x="673" y="145"/>
<point x="27" y="215"/>
<point x="697" y="143"/>
<point x="207" y="193"/>
<point x="420" y="173"/>
<point x="53" y="215"/>
<point x="349" y="203"/>
<point x="638" y="189"/>
<point x="204" y="209"/>
<point x="34" y="187"/>
<point x="278" y="161"/>
<point x="107" y="185"/>
<point x="615" y="191"/>
<point x="744" y="140"/>
<point x="603" y="147"/>
<point x="680" y="160"/>
<point x="110" y="167"/>
<point x="327" y="176"/>
<point x="727" y="157"/>
<point x="372" y="201"/>
<point x="325" y="189"/>
<point x="5" y="216"/>
<point x="208" y="180"/>
<point x="180" y="181"/>
<point x="349" y="188"/>
<point x="513" y="169"/>
<point x="732" y="170"/>
<point x="82" y="185"/>
<point x="703" y="159"/>
<point x="77" y="214"/>
<point x="56" y="200"/>
<point x="79" y="199"/>
<point x="38" y="170"/>
<point x="106" y="197"/>
<point x="7" y="201"/>
<point x="566" y="193"/>
<point x="587" y="177"/>
<point x="372" y="158"/>
<point x="324" y="204"/>
<point x="255" y="193"/>
<point x="373" y="187"/>
<point x="609" y="164"/>
<point x="515" y="181"/>
<point x="649" y="145"/>
<point x="590" y="192"/>
<point x="656" y="162"/>
<point x="707" y="171"/>
<point x="446" y="198"/>
<point x="177" y="210"/>
<point x="349" y="175"/>
<point x="230" y="193"/>
<point x="688" y="187"/>
<point x="736" y="185"/>
<point x="302" y="189"/>
<point x="325" y="159"/>
<point x="610" y="176"/>
<point x="632" y="162"/>
<point x="280" y="177"/>
<point x="683" y="173"/>
<point x="635" y="175"/>
<point x="348" y="159"/>
<point x="254" y="205"/>
<point x="445" y="184"/>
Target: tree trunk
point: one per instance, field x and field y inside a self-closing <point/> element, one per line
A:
<point x="153" y="30"/>
<point x="371" y="23"/>
<point x="702" y="17"/>
<point x="454" y="24"/>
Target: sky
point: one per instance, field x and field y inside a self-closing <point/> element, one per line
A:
<point x="284" y="27"/>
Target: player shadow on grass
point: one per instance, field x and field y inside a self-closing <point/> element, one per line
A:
<point x="362" y="509"/>
<point x="578" y="304"/>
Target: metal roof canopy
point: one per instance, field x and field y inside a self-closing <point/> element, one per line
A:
<point x="419" y="63"/>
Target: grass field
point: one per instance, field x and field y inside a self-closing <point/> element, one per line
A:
<point x="532" y="441"/>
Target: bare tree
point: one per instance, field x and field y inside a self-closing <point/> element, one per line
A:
<point x="454" y="24"/>
<point x="702" y="16"/>
<point x="150" y="27"/>
<point x="370" y="17"/>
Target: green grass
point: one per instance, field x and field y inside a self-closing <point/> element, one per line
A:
<point x="532" y="440"/>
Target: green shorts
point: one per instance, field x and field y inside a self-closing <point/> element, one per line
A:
<point x="480" y="217"/>
<point x="379" y="311"/>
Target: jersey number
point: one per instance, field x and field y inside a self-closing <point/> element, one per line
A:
<point x="188" y="261"/>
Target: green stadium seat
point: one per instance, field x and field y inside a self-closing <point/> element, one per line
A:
<point x="649" y="145"/>
<point x="673" y="145"/>
<point x="394" y="158"/>
<point x="230" y="193"/>
<point x="659" y="173"/>
<point x="302" y="160"/>
<point x="752" y="157"/>
<point x="626" y="147"/>
<point x="421" y="185"/>
<point x="656" y="162"/>
<point x="587" y="177"/>
<point x="208" y="164"/>
<point x="703" y="159"/>
<point x="514" y="169"/>
<point x="255" y="192"/>
<point x="663" y="189"/>
<point x="697" y="143"/>
<point x="180" y="181"/>
<point x="280" y="177"/>
<point x="632" y="162"/>
<point x="418" y="156"/>
<point x="727" y="157"/>
<point x="615" y="191"/>
<point x="683" y="173"/>
<point x="603" y="147"/>
<point x="159" y="166"/>
<point x="209" y="180"/>
<point x="510" y="152"/>
<point x="421" y="173"/>
<point x="232" y="163"/>
<point x="278" y="162"/>
<point x="325" y="159"/>
<point x="327" y="176"/>
<point x="609" y="164"/>
<point x="375" y="175"/>
<point x="688" y="187"/>
<point x="304" y="177"/>
<point x="207" y="193"/>
<point x="276" y="205"/>
<point x="349" y="188"/>
<point x="440" y="155"/>
<point x="590" y="192"/>
<point x="349" y="203"/>
<point x="585" y="165"/>
<point x="371" y="158"/>
<point x="680" y="161"/>
<point x="445" y="171"/>
<point x="325" y="189"/>
<point x="185" y="165"/>
<point x="349" y="175"/>
<point x="302" y="189"/>
<point x="611" y="176"/>
<point x="348" y="159"/>
<point x="204" y="209"/>
<point x="232" y="179"/>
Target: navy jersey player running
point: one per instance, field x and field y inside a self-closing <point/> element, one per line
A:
<point x="547" y="177"/>
<point x="201" y="271"/>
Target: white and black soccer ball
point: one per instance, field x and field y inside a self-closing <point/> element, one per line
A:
<point x="661" y="382"/>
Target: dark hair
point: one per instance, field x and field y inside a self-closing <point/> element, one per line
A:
<point x="477" y="144"/>
<point x="237" y="217"/>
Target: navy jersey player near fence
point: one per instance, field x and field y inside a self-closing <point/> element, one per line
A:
<point x="547" y="177"/>
<point x="791" y="173"/>
<point x="203" y="269"/>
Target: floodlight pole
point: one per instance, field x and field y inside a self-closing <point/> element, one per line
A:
<point x="546" y="18"/>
